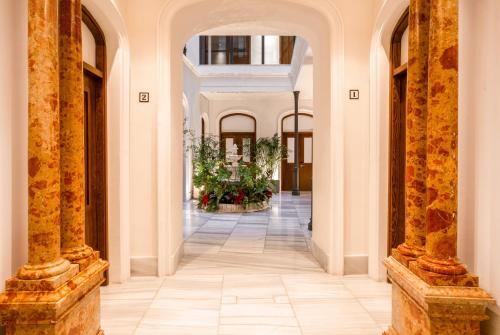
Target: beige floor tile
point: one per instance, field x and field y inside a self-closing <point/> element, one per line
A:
<point x="248" y="274"/>
<point x="258" y="330"/>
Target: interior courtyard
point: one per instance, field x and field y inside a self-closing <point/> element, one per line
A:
<point x="281" y="167"/>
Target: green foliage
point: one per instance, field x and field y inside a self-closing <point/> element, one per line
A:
<point x="268" y="154"/>
<point x="212" y="176"/>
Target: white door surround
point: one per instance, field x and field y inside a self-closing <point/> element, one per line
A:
<point x="320" y="24"/>
<point x="118" y="127"/>
<point x="386" y="21"/>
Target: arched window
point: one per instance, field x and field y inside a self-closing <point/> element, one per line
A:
<point x="397" y="165"/>
<point x="94" y="71"/>
<point x="239" y="129"/>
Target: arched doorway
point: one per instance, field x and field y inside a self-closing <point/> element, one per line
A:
<point x="110" y="20"/>
<point x="305" y="151"/>
<point x="397" y="140"/>
<point x="94" y="68"/>
<point x="239" y="129"/>
<point x="320" y="24"/>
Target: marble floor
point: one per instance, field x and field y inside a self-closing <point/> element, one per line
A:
<point x="248" y="274"/>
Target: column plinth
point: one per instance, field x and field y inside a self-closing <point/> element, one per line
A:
<point x="422" y="308"/>
<point x="416" y="134"/>
<point x="72" y="135"/>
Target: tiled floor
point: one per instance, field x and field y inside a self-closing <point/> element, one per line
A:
<point x="248" y="274"/>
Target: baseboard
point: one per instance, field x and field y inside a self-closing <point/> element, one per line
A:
<point x="144" y="266"/>
<point x="175" y="259"/>
<point x="355" y="264"/>
<point x="492" y="326"/>
<point x="320" y="255"/>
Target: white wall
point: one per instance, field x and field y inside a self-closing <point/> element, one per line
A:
<point x="193" y="50"/>
<point x="479" y="146"/>
<point x="267" y="108"/>
<point x="143" y="76"/>
<point x="13" y="138"/>
<point x="358" y="24"/>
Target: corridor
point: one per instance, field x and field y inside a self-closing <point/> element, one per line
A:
<point x="248" y="274"/>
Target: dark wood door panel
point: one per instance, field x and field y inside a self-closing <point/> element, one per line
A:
<point x="95" y="164"/>
<point x="305" y="168"/>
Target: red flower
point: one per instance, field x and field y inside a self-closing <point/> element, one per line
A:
<point x="205" y="199"/>
<point x="269" y="194"/>
<point x="239" y="199"/>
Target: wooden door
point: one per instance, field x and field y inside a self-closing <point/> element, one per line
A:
<point x="95" y="162"/>
<point x="287" y="44"/>
<point x="305" y="161"/>
<point x="288" y="140"/>
<point x="240" y="49"/>
<point x="397" y="139"/>
<point x="242" y="140"/>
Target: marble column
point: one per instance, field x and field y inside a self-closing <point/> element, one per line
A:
<point x="72" y="134"/>
<point x="435" y="295"/>
<point x="439" y="265"/>
<point x="44" y="257"/>
<point x="49" y="295"/>
<point x="416" y="133"/>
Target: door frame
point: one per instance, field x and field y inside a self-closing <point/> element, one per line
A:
<point x="281" y="119"/>
<point x="387" y="19"/>
<point x="284" y="161"/>
<point x="100" y="71"/>
<point x="397" y="138"/>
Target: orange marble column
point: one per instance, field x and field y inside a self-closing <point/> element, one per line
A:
<point x="72" y="134"/>
<point x="416" y="133"/>
<point x="435" y="295"/>
<point x="49" y="295"/>
<point x="439" y="265"/>
<point x="44" y="257"/>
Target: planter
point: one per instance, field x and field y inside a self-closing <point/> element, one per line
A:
<point x="253" y="207"/>
<point x="276" y="184"/>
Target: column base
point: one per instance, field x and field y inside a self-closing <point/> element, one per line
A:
<point x="403" y="258"/>
<point x="84" y="262"/>
<point x="44" y="284"/>
<point x="73" y="308"/>
<point x="439" y="279"/>
<point x="83" y="256"/>
<point x="420" y="308"/>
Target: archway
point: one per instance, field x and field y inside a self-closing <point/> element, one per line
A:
<point x="324" y="34"/>
<point x="386" y="21"/>
<point x="118" y="170"/>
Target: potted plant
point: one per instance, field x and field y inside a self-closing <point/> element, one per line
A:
<point x="253" y="187"/>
